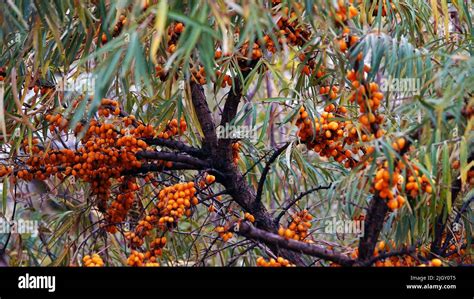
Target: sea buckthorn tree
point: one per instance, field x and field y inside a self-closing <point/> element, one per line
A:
<point x="148" y="133"/>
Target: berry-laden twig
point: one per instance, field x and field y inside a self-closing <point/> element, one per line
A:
<point x="249" y="231"/>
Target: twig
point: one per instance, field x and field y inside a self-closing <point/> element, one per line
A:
<point x="249" y="231"/>
<point x="294" y="201"/>
<point x="404" y="251"/>
<point x="265" y="171"/>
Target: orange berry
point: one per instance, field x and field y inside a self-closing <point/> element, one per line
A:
<point x="456" y="164"/>
<point x="210" y="179"/>
<point x="436" y="263"/>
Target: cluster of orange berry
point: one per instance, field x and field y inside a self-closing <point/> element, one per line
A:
<point x="298" y="227"/>
<point x="386" y="186"/>
<point x="416" y="183"/>
<point x="39" y="164"/>
<point x="149" y="258"/>
<point x="45" y="90"/>
<point x="174" y="32"/>
<point x="279" y="262"/>
<point x="249" y="217"/>
<point x="107" y="150"/>
<point x="199" y="75"/>
<point x="174" y="202"/>
<point x="384" y="8"/>
<point x="93" y="261"/>
<point x="226" y="80"/>
<point x="397" y="261"/>
<point x="310" y="66"/>
<point x="332" y="92"/>
<point x="156" y="247"/>
<point x="121" y="204"/>
<point x="138" y="259"/>
<point x="224" y="233"/>
<point x="108" y="107"/>
<point x="122" y="21"/>
<point x="235" y="152"/>
<point x="343" y="14"/>
<point x="291" y="30"/>
<point x="368" y="97"/>
<point x="328" y="135"/>
<point x="456" y="248"/>
<point x="5" y="170"/>
<point x="347" y="41"/>
<point x="253" y="51"/>
<point x="393" y="261"/>
<point x="142" y="229"/>
<point x="57" y="122"/>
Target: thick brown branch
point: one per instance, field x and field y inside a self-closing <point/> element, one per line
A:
<point x="157" y="168"/>
<point x="176" y="145"/>
<point x="174" y="157"/>
<point x="384" y="255"/>
<point x="232" y="102"/>
<point x="373" y="225"/>
<point x="204" y="117"/>
<point x="251" y="232"/>
<point x="220" y="154"/>
<point x="244" y="195"/>
<point x="228" y="114"/>
<point x="376" y="215"/>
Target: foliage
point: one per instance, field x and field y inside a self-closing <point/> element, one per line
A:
<point x="132" y="92"/>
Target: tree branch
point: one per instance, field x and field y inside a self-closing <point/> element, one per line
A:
<point x="376" y="215"/>
<point x="456" y="220"/>
<point x="373" y="225"/>
<point x="298" y="198"/>
<point x="251" y="232"/>
<point x="174" y="157"/>
<point x="228" y="114"/>
<point x="176" y="145"/>
<point x="221" y="159"/>
<point x="158" y="168"/>
<point x="232" y="102"/>
<point x="204" y="116"/>
<point x="265" y="171"/>
<point x="440" y="225"/>
<point x="384" y="255"/>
